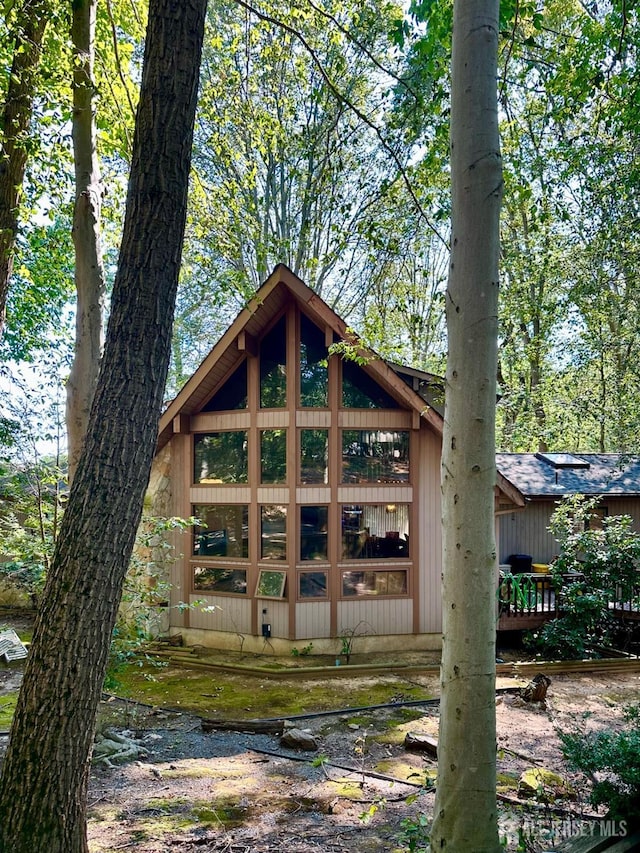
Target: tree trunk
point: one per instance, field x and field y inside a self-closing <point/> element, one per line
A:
<point x="89" y="273"/>
<point x="465" y="810"/>
<point x="45" y="774"/>
<point x="30" y="23"/>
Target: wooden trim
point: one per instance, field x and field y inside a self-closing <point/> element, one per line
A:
<point x="333" y="516"/>
<point x="217" y="422"/>
<point x="181" y="425"/>
<point x="247" y="343"/>
<point x="415" y="581"/>
<point x="293" y="513"/>
<point x="323" y="315"/>
<point x="181" y="470"/>
<point x="253" y="405"/>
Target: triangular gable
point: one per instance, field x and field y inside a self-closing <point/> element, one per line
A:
<point x="250" y="324"/>
<point x="253" y="321"/>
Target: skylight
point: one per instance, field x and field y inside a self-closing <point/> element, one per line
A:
<point x="562" y="460"/>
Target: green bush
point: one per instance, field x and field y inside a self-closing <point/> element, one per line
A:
<point x="611" y="761"/>
<point x="604" y="562"/>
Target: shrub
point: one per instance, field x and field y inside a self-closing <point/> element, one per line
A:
<point x="604" y="564"/>
<point x="611" y="761"/>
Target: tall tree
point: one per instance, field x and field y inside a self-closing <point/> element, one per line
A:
<point x="46" y="768"/>
<point x="465" y="808"/>
<point x="29" y="23"/>
<point x="89" y="273"/>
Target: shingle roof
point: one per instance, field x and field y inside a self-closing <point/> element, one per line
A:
<point x="552" y="474"/>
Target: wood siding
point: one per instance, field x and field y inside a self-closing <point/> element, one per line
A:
<point x="220" y="613"/>
<point x="376" y="616"/>
<point x="291" y="618"/>
<point x="374" y="419"/>
<point x="429" y="534"/>
<point x="313" y="619"/>
<point x="375" y="494"/>
<point x="526" y="532"/>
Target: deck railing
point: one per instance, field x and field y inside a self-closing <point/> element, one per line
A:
<point x="528" y="600"/>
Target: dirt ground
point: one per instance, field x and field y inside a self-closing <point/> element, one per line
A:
<point x="360" y="790"/>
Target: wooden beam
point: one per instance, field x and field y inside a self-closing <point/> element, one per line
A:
<point x="247" y="343"/>
<point x="181" y="425"/>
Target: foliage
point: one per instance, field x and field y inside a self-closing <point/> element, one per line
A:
<point x="145" y="592"/>
<point x="596" y="566"/>
<point x="348" y="637"/>
<point x="611" y="761"/>
<point x="41" y="289"/>
<point x="33" y="487"/>
<point x="414" y="834"/>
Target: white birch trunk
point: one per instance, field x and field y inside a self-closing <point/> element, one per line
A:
<point x="89" y="273"/>
<point x="465" y="819"/>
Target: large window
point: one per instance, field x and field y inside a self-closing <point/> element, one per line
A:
<point x="232" y="395"/>
<point x="214" y="580"/>
<point x="374" y="583"/>
<point x="313" y="365"/>
<point x="220" y="457"/>
<point x="312" y="585"/>
<point x="314" y="456"/>
<point x="273" y="533"/>
<point x="273" y="367"/>
<point x="375" y="531"/>
<point x="360" y="391"/>
<point x="223" y="530"/>
<point x="313" y="532"/>
<point x="273" y="456"/>
<point x="375" y="456"/>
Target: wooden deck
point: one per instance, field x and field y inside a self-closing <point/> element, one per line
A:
<point x="527" y="600"/>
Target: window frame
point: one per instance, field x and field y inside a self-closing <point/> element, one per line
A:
<point x="283" y="582"/>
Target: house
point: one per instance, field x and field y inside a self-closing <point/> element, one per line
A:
<point x="314" y="469"/>
<point x="545" y="478"/>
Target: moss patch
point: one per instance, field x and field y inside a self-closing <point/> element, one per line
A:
<point x="221" y="811"/>
<point x="7" y="708"/>
<point x="346" y="788"/>
<point x="401" y="768"/>
<point x="507" y="782"/>
<point x="245" y="696"/>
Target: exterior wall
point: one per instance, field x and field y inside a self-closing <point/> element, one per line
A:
<point x="376" y="618"/>
<point x="526" y="531"/>
<point x="428" y="523"/>
<point x="372" y="617"/>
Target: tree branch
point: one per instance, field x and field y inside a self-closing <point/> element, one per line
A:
<point x="343" y="99"/>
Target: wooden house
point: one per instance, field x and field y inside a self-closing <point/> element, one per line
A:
<point x="316" y="479"/>
<point x="543" y="479"/>
<point x="527" y="593"/>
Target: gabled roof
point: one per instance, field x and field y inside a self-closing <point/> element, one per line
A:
<point x="250" y="325"/>
<point x="538" y="475"/>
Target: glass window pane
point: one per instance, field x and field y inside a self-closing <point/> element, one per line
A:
<point x="273" y="533"/>
<point x="360" y="391"/>
<point x="314" y="456"/>
<point x="273" y="367"/>
<point x="312" y="585"/>
<point x="210" y="579"/>
<point x="375" y="531"/>
<point x="224" y="531"/>
<point x="220" y="457"/>
<point x="271" y="584"/>
<point x="232" y="395"/>
<point x="314" y="376"/>
<point x="273" y="456"/>
<point x="374" y="583"/>
<point x="313" y="532"/>
<point x="375" y="456"/>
